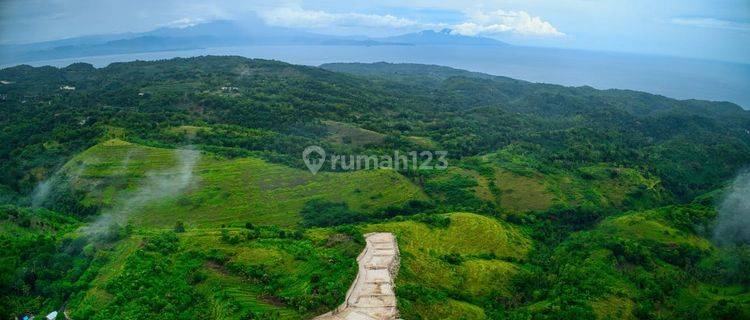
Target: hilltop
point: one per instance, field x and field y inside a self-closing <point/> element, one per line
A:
<point x="176" y="188"/>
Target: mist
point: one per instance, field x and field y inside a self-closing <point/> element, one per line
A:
<point x="733" y="220"/>
<point x="47" y="187"/>
<point x="42" y="191"/>
<point x="158" y="184"/>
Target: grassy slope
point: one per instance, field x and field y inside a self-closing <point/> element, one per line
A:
<point x="488" y="249"/>
<point x="235" y="191"/>
<point x="264" y="276"/>
<point x="231" y="190"/>
<point x="514" y="184"/>
<point x="344" y="133"/>
<point x="631" y="254"/>
<point x="522" y="187"/>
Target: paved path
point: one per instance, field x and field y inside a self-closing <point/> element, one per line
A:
<point x="371" y="296"/>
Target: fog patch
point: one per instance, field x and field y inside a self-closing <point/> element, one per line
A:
<point x="46" y="188"/>
<point x="42" y="191"/>
<point x="733" y="220"/>
<point x="158" y="184"/>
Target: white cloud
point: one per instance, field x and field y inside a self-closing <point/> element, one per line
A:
<point x="501" y="21"/>
<point x="185" y="22"/>
<point x="300" y="18"/>
<point x="477" y="23"/>
<point x="713" y="23"/>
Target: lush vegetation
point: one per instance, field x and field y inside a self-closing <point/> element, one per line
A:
<point x="176" y="189"/>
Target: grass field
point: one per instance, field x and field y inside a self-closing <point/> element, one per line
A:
<point x="344" y="133"/>
<point x="487" y="250"/>
<point x="521" y="193"/>
<point x="645" y="228"/>
<point x="272" y="276"/>
<point x="625" y="255"/>
<point x="226" y="191"/>
<point x="513" y="185"/>
<point x="521" y="187"/>
<point x="448" y="270"/>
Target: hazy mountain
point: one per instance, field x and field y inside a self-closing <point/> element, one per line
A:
<point x="212" y="34"/>
<point x="442" y="37"/>
<point x="249" y="31"/>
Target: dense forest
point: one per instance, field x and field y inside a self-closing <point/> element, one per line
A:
<point x="559" y="202"/>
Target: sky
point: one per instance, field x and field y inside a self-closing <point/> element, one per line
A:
<point x="715" y="30"/>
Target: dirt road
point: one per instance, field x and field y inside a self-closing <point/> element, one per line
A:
<point x="371" y="296"/>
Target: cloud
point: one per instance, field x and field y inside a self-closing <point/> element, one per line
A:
<point x="184" y="23"/>
<point x="733" y="220"/>
<point x="476" y="23"/>
<point x="158" y="185"/>
<point x="501" y="21"/>
<point x="297" y="17"/>
<point x="713" y="23"/>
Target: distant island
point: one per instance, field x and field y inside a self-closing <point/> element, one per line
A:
<point x="222" y="33"/>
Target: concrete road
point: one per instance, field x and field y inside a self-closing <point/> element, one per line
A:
<point x="371" y="296"/>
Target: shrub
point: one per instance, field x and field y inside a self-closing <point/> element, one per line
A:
<point x="453" y="258"/>
<point x="165" y="242"/>
<point x="437" y="221"/>
<point x="179" y="227"/>
<point x="322" y="213"/>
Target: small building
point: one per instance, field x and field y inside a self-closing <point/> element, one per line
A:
<point x="66" y="87"/>
<point x="52" y="315"/>
<point x="5" y="82"/>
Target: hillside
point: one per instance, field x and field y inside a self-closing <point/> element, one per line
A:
<point x="222" y="191"/>
<point x="177" y="189"/>
<point x="278" y="109"/>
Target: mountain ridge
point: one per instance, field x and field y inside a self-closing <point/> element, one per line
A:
<point x="442" y="37"/>
<point x="218" y="33"/>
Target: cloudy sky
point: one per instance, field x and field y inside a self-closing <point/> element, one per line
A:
<point x="718" y="30"/>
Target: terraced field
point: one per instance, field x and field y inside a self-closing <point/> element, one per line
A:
<point x="225" y="191"/>
<point x="486" y="253"/>
<point x="472" y="258"/>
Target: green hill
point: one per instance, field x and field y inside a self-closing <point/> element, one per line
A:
<point x="446" y="270"/>
<point x="176" y="189"/>
<point x="645" y="264"/>
<point x="226" y="191"/>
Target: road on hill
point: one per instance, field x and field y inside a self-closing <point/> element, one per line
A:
<point x="372" y="296"/>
